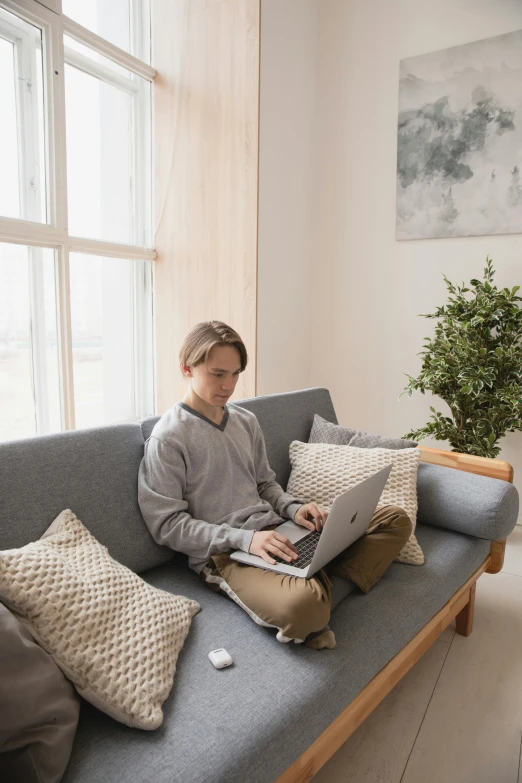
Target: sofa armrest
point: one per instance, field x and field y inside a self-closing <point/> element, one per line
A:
<point x="465" y="502"/>
<point x="484" y="466"/>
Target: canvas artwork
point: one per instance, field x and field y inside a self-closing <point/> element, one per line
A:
<point x="459" y="161"/>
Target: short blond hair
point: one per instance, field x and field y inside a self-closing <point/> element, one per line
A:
<point x="203" y="337"/>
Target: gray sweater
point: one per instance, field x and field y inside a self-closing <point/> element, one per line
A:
<point x="205" y="488"/>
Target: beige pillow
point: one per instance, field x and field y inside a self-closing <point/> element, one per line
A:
<point x="116" y="637"/>
<point x="321" y="471"/>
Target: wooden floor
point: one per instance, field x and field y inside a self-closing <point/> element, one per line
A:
<point x="456" y="717"/>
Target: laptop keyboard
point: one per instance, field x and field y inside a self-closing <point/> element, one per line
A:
<point x="305" y="549"/>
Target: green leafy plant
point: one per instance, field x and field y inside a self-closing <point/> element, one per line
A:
<point x="474" y="363"/>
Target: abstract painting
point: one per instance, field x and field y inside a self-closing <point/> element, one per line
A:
<point x="459" y="158"/>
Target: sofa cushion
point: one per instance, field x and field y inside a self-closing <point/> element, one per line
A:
<point x="116" y="637"/>
<point x="466" y="502"/>
<point x="147" y="425"/>
<point x="227" y="726"/>
<point x="325" y="432"/>
<point x="39" y="708"/>
<point x="95" y="472"/>
<point x="287" y="417"/>
<point x="321" y="471"/>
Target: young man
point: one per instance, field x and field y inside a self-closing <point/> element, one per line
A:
<point x="205" y="488"/>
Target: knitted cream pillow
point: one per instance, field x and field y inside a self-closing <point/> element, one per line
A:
<point x="321" y="471"/>
<point x="116" y="637"/>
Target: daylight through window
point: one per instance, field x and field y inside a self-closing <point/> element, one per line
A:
<point x="75" y="215"/>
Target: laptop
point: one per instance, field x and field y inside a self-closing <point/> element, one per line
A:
<point x="348" y="520"/>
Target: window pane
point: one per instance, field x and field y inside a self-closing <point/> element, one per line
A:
<point x="9" y="190"/>
<point x="22" y="163"/>
<point x="112" y="21"/>
<point x="29" y="370"/>
<point x="108" y="329"/>
<point x="108" y="153"/>
<point x="71" y="45"/>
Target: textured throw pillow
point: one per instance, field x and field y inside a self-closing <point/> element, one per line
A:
<point x="116" y="637"/>
<point x="39" y="708"/>
<point x="321" y="471"/>
<point x="324" y="431"/>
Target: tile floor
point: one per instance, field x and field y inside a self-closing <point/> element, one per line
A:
<point x="456" y="717"/>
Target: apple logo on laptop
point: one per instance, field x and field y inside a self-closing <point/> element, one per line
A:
<point x="353" y="518"/>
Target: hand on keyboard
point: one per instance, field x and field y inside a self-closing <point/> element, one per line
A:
<point x="269" y="544"/>
<point x="305" y="549"/>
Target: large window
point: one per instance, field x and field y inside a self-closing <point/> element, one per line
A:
<point x="75" y="215"/>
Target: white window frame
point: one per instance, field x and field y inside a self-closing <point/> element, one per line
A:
<point x="54" y="234"/>
<point x="29" y="181"/>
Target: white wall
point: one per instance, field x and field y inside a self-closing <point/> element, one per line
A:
<point x="365" y="288"/>
<point x="287" y="156"/>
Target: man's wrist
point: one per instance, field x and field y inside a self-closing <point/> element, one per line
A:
<point x="292" y="509"/>
<point x="249" y="539"/>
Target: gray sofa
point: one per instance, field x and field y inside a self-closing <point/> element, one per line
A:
<point x="252" y="721"/>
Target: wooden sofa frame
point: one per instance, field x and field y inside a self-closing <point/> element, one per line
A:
<point x="460" y="607"/>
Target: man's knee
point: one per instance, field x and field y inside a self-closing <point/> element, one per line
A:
<point x="400" y="522"/>
<point x="309" y="605"/>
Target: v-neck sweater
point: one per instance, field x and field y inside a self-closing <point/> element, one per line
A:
<point x="204" y="487"/>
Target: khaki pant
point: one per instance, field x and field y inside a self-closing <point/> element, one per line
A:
<point x="297" y="606"/>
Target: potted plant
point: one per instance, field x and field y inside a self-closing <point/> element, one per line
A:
<point x="474" y="363"/>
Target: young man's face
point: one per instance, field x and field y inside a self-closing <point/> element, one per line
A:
<point x="215" y="382"/>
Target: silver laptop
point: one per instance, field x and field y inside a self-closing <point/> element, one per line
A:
<point x="348" y="520"/>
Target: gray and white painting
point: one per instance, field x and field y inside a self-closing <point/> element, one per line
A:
<point x="459" y="162"/>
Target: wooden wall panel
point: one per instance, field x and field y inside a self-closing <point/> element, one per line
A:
<point x="206" y="130"/>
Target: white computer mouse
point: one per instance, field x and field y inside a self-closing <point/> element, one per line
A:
<point x="220" y="658"/>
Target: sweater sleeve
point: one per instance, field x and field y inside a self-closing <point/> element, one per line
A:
<point x="161" y="487"/>
<point x="283" y="504"/>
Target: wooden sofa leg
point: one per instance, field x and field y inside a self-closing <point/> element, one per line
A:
<point x="464" y="619"/>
